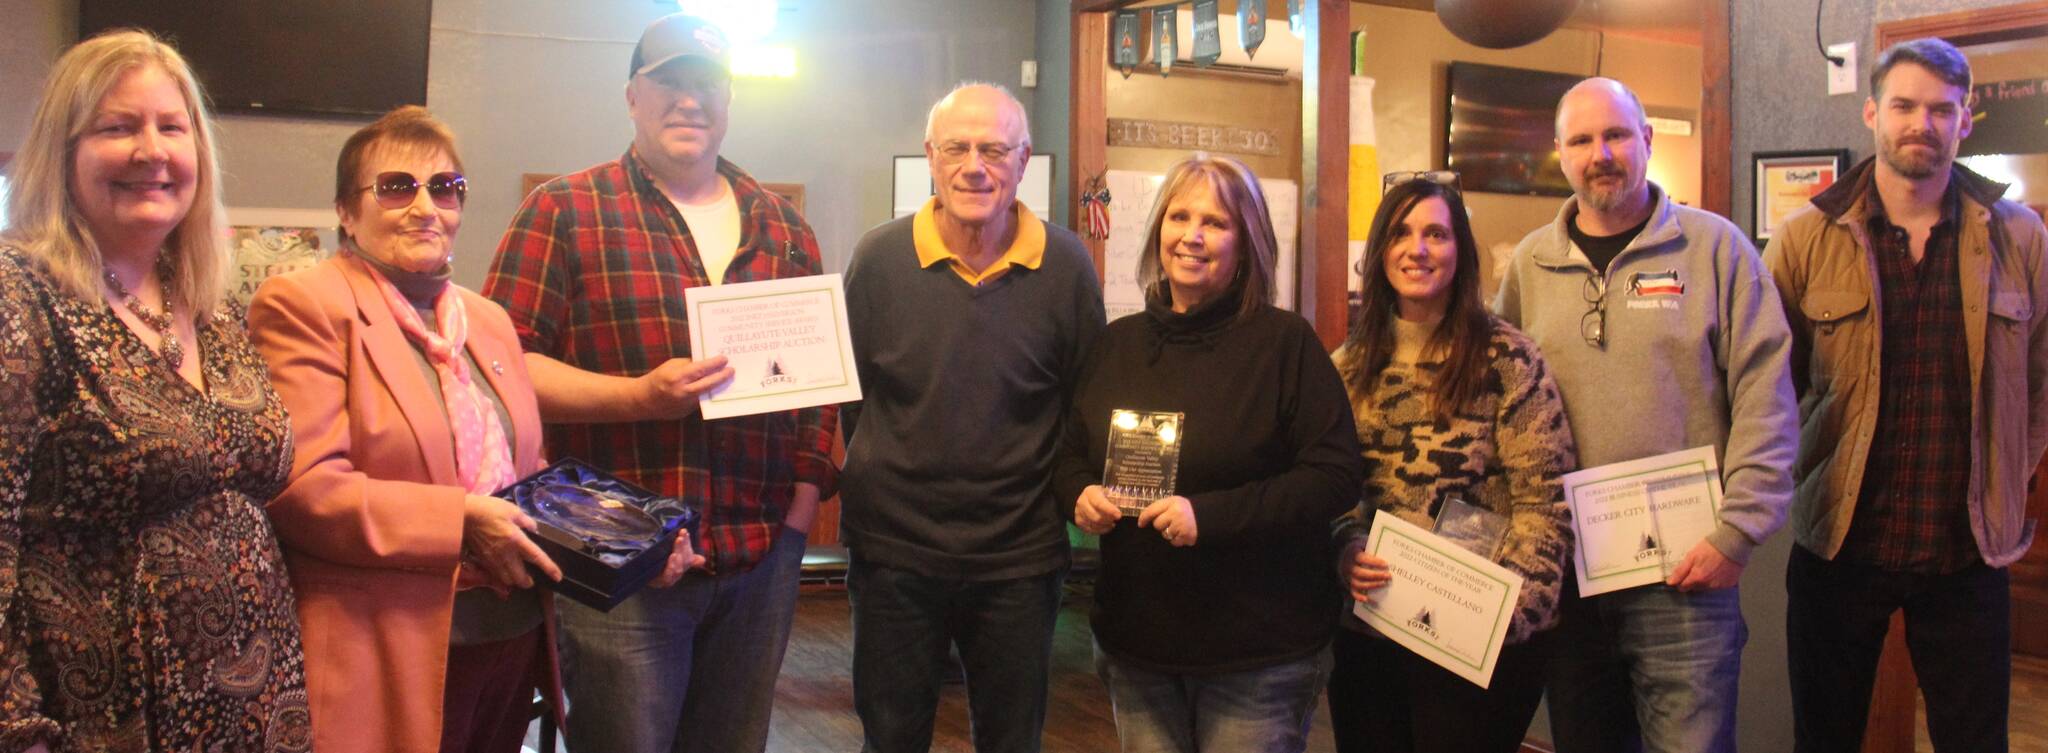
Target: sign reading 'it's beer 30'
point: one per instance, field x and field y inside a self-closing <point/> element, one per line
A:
<point x="1164" y="134"/>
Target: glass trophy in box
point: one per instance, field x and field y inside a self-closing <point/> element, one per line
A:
<point x="609" y="537"/>
<point x="1142" y="460"/>
<point x="1477" y="529"/>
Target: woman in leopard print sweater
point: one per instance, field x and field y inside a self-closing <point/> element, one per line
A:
<point x="1451" y="403"/>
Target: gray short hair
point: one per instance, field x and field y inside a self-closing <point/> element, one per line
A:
<point x="1023" y="118"/>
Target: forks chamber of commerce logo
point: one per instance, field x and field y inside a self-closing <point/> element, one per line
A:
<point x="778" y="375"/>
<point x="1648" y="548"/>
<point x="1424" y="621"/>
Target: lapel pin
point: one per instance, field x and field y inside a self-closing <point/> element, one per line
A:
<point x="497" y="368"/>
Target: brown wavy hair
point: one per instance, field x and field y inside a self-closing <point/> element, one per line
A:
<point x="1464" y="335"/>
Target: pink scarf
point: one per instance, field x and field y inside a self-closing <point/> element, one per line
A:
<point x="483" y="459"/>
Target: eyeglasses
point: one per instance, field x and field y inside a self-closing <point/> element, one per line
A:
<point x="395" y="190"/>
<point x="993" y="153"/>
<point x="1445" y="178"/>
<point x="1593" y="324"/>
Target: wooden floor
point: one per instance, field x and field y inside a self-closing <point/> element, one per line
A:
<point x="814" y="696"/>
<point x="2029" y="716"/>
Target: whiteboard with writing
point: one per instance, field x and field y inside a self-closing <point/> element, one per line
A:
<point x="1131" y="194"/>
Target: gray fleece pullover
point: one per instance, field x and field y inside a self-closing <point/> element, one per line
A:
<point x="1697" y="354"/>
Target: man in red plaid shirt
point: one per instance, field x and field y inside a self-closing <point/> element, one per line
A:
<point x="592" y="272"/>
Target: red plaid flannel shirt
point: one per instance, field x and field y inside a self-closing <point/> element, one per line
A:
<point x="1913" y="514"/>
<point x="592" y="271"/>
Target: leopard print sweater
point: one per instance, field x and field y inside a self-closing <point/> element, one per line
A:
<point x="1506" y="452"/>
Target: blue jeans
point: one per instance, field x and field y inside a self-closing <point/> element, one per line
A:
<point x="1646" y="669"/>
<point x="1265" y="710"/>
<point x="630" y="674"/>
<point x="902" y="623"/>
<point x="1958" y="633"/>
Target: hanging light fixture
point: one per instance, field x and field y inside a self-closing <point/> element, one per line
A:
<point x="747" y="23"/>
<point x="1501" y="24"/>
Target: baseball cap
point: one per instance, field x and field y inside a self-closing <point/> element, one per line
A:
<point x="678" y="35"/>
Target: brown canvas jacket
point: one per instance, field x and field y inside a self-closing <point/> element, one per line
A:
<point x="1827" y="280"/>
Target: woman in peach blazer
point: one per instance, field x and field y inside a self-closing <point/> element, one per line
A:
<point x="423" y="630"/>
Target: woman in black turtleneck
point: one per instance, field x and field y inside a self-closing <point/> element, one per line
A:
<point x="1215" y="606"/>
<point x="410" y="404"/>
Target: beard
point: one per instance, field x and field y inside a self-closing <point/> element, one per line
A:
<point x="1606" y="199"/>
<point x="1913" y="165"/>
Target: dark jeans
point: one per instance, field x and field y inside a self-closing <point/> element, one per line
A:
<point x="1386" y="699"/>
<point x="1958" y="631"/>
<point x="902" y="623"/>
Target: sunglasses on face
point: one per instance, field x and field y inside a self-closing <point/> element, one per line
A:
<point x="395" y="190"/>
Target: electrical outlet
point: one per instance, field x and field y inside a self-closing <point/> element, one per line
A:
<point x="1030" y="74"/>
<point x="1842" y="78"/>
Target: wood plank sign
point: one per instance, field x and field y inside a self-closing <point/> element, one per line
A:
<point x="1165" y="134"/>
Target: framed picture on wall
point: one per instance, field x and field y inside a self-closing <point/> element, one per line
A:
<point x="271" y="242"/>
<point x="913" y="185"/>
<point x="1786" y="181"/>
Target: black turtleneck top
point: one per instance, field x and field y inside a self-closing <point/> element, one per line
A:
<point x="1269" y="457"/>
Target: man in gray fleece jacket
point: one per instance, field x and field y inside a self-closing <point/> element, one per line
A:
<point x="1664" y="333"/>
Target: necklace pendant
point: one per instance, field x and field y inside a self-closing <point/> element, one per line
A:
<point x="172" y="353"/>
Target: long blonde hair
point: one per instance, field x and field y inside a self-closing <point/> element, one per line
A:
<point x="43" y="217"/>
<point x="1237" y="189"/>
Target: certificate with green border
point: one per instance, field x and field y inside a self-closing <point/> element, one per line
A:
<point x="1635" y="520"/>
<point x="1445" y="603"/>
<point x="786" y="341"/>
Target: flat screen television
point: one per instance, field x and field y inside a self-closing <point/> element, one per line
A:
<point x="1501" y="129"/>
<point x="302" y="57"/>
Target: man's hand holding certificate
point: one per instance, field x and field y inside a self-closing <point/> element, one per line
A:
<point x="1636" y="521"/>
<point x="1443" y="602"/>
<point x="785" y="340"/>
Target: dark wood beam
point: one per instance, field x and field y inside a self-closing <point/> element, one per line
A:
<point x="1102" y="6"/>
<point x="1088" y="128"/>
<point x="1717" y="126"/>
<point x="1967" y="27"/>
<point x="1326" y="165"/>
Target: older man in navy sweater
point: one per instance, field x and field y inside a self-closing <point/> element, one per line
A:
<point x="970" y="320"/>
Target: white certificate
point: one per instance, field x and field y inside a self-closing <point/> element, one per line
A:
<point x="1445" y="603"/>
<point x="786" y="341"/>
<point x="1636" y="520"/>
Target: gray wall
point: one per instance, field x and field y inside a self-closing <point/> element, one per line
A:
<point x="1051" y="121"/>
<point x="1780" y="90"/>
<point x="537" y="86"/>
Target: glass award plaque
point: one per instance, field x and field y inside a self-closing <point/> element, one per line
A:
<point x="1142" y="460"/>
<point x="1477" y="529"/>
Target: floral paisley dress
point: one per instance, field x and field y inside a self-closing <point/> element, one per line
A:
<point x="143" y="600"/>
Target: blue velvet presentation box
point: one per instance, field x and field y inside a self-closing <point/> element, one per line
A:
<point x="600" y="572"/>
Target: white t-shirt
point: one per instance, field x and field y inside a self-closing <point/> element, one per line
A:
<point x="716" y="227"/>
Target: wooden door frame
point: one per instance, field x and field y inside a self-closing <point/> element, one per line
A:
<point x="1325" y="144"/>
